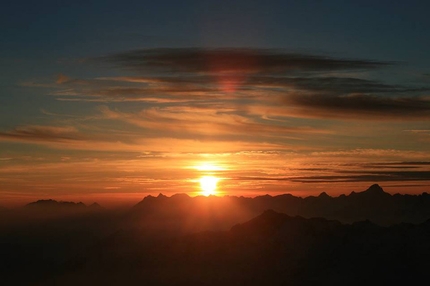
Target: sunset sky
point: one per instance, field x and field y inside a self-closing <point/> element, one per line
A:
<point x="110" y="101"/>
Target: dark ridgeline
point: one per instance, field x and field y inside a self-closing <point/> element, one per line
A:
<point x="47" y="208"/>
<point x="220" y="213"/>
<point x="179" y="240"/>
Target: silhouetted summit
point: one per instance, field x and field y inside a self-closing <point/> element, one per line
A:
<point x="324" y="195"/>
<point x="54" y="204"/>
<point x="375" y="190"/>
<point x="95" y="207"/>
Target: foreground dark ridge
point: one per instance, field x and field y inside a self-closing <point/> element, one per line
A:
<point x="271" y="249"/>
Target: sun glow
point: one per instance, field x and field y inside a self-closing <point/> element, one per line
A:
<point x="208" y="167"/>
<point x="208" y="185"/>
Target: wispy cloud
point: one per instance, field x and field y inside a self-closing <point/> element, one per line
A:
<point x="367" y="176"/>
<point x="362" y="106"/>
<point x="215" y="61"/>
<point x="265" y="82"/>
<point x="352" y="172"/>
<point x="193" y="122"/>
<point x="151" y="139"/>
<point x="42" y="133"/>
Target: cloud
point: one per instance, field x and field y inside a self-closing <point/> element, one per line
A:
<point x="61" y="78"/>
<point x="360" y="106"/>
<point x="336" y="175"/>
<point x="42" y="133"/>
<point x="166" y="140"/>
<point x="197" y="101"/>
<point x="340" y="98"/>
<point x="413" y="164"/>
<point x="370" y="155"/>
<point x="216" y="61"/>
<point x="367" y="176"/>
<point x="261" y="107"/>
<point x="263" y="82"/>
<point x="329" y="85"/>
<point x="422" y="135"/>
<point x="198" y="122"/>
<point x="69" y="137"/>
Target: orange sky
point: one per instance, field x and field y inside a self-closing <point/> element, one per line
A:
<point x="280" y="125"/>
<point x="276" y="98"/>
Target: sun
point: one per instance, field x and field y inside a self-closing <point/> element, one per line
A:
<point x="208" y="185"/>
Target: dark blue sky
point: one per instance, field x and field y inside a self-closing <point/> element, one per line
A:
<point x="396" y="30"/>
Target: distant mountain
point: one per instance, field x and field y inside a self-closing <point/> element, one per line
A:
<point x="218" y="213"/>
<point x="54" y="204"/>
<point x="96" y="206"/>
<point x="270" y="249"/>
<point x="183" y="214"/>
<point x="56" y="209"/>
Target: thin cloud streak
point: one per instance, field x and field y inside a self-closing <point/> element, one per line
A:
<point x="265" y="81"/>
<point x="42" y="133"/>
<point x="206" y="121"/>
<point x="353" y="176"/>
<point x="210" y="61"/>
<point x="362" y="107"/>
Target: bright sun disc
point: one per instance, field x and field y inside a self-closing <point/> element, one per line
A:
<point x="208" y="185"/>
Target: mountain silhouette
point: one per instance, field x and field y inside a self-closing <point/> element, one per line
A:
<point x="324" y="195"/>
<point x="54" y="204"/>
<point x="52" y="209"/>
<point x="365" y="237"/>
<point x="96" y="206"/>
<point x="375" y="189"/>
<point x="219" y="213"/>
<point x="374" y="192"/>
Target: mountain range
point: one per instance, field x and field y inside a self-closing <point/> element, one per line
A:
<point x="365" y="237"/>
<point x="220" y="213"/>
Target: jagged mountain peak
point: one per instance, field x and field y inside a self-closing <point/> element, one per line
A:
<point x="324" y="195"/>
<point x="375" y="189"/>
<point x="95" y="206"/>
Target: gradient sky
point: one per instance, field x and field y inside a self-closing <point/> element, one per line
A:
<point x="110" y="101"/>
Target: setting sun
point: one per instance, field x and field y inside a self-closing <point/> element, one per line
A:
<point x="208" y="185"/>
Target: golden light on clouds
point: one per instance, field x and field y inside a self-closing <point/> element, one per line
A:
<point x="209" y="167"/>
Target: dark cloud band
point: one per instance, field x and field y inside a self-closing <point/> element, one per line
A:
<point x="197" y="60"/>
